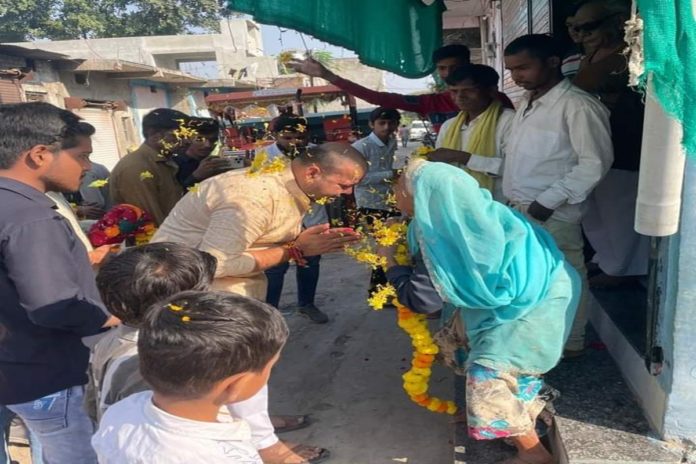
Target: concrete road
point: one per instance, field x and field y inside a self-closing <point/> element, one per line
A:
<point x="404" y="152"/>
<point x="347" y="374"/>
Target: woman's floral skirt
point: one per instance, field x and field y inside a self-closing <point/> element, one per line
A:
<point x="500" y="404"/>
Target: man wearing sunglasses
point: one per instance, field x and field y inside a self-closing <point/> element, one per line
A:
<point x="621" y="254"/>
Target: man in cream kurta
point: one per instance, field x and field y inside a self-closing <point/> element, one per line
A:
<point x="232" y="214"/>
<point x="249" y="222"/>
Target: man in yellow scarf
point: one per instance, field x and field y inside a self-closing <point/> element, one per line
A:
<point x="474" y="139"/>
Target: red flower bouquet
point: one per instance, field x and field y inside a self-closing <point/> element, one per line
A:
<point x="122" y="222"/>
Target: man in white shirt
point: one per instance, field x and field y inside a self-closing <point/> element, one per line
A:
<point x="558" y="149"/>
<point x="480" y="126"/>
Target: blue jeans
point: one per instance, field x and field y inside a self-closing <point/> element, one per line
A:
<point x="307" y="280"/>
<point x="6" y="417"/>
<point x="61" y="425"/>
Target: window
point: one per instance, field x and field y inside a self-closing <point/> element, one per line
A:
<point x="206" y="69"/>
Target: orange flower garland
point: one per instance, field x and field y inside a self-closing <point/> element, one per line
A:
<point x="416" y="380"/>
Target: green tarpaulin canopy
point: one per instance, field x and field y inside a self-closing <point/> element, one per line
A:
<point x="395" y="35"/>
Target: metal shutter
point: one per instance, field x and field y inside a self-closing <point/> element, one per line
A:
<point x="105" y="149"/>
<point x="10" y="91"/>
<point x="541" y="16"/>
<point x="515" y="15"/>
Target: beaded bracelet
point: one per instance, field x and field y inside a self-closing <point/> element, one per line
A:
<point x="296" y="254"/>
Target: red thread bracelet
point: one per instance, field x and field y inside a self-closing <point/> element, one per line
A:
<point x="296" y="254"/>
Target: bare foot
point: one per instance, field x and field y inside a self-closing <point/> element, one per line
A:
<point x="519" y="460"/>
<point x="290" y="453"/>
<point x="529" y="450"/>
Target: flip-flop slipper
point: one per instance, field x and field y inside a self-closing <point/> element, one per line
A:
<point x="324" y="454"/>
<point x="301" y="422"/>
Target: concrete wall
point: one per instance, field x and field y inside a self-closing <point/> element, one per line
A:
<point x="238" y="45"/>
<point x="679" y="327"/>
<point x="98" y="87"/>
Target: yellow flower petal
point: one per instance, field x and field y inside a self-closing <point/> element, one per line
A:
<point x="98" y="183"/>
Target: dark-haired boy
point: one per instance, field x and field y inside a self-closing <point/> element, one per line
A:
<point x="199" y="351"/>
<point x="474" y="139"/>
<point x="558" y="149"/>
<point x="129" y="284"/>
<point x="437" y="107"/>
<point x="146" y="177"/>
<point x="49" y="298"/>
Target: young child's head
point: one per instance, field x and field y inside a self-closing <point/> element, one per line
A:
<point x="137" y="278"/>
<point x="215" y="346"/>
<point x="384" y="122"/>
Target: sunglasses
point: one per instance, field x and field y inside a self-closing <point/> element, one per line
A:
<point x="590" y="26"/>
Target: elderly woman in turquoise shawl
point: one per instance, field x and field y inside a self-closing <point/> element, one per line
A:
<point x="502" y="285"/>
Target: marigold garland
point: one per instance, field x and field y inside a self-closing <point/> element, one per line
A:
<point x="417" y="379"/>
<point x="388" y="235"/>
<point x="422" y="152"/>
<point x="380" y="297"/>
<point x="364" y="254"/>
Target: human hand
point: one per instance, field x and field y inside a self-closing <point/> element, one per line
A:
<point x="320" y="239"/>
<point x="89" y="211"/>
<point x="99" y="254"/>
<point x="539" y="212"/>
<point x="446" y="155"/>
<point x="311" y="67"/>
<point x="211" y="166"/>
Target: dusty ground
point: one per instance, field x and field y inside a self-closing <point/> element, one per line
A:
<point x="347" y="374"/>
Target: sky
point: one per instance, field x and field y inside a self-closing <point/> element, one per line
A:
<point x="275" y="41"/>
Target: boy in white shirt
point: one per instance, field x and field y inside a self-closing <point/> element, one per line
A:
<point x="199" y="351"/>
<point x="372" y="193"/>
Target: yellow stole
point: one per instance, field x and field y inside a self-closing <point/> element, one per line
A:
<point x="482" y="140"/>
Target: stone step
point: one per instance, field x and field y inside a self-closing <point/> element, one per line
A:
<point x="575" y="442"/>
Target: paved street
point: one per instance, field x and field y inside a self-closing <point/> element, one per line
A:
<point x="347" y="374"/>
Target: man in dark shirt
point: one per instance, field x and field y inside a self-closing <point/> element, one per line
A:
<point x="195" y="163"/>
<point x="47" y="287"/>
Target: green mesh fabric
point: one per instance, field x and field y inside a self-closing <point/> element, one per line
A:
<point x="397" y="36"/>
<point x="669" y="42"/>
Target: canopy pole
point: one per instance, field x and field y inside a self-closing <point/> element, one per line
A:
<point x="661" y="171"/>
